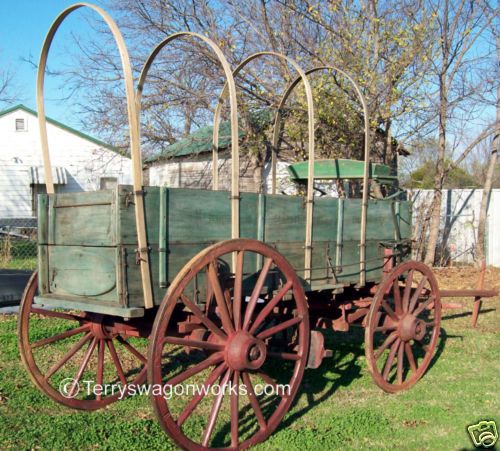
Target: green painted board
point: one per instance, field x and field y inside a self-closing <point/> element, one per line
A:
<point x="82" y="219"/>
<point x="95" y="238"/>
<point x="83" y="271"/>
<point x="333" y="169"/>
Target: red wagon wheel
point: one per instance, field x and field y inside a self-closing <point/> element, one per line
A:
<point x="76" y="358"/>
<point x="403" y="326"/>
<point x="247" y="336"/>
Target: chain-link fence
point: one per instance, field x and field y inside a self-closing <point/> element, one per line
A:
<point x="18" y="243"/>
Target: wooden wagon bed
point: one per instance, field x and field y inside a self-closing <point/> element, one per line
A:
<point x="88" y="241"/>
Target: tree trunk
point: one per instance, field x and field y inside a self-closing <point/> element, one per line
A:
<point x="483" y="212"/>
<point x="435" y="221"/>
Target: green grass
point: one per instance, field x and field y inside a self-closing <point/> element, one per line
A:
<point x="338" y="407"/>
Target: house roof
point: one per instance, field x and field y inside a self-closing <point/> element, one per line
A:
<point x="200" y="141"/>
<point x="60" y="125"/>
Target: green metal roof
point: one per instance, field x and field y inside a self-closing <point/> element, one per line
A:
<point x="200" y="141"/>
<point x="60" y="125"/>
<point x="340" y="169"/>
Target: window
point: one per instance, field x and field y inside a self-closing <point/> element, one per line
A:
<point x="108" y="182"/>
<point x="21" y="125"/>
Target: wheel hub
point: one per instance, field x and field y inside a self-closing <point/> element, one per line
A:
<point x="412" y="328"/>
<point x="244" y="351"/>
<point x="99" y="329"/>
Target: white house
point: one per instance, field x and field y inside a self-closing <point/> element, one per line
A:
<point x="80" y="162"/>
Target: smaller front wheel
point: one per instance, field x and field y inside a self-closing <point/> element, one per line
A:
<point x="403" y="327"/>
<point x="77" y="358"/>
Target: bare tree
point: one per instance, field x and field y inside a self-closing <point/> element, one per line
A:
<point x="8" y="90"/>
<point x="459" y="26"/>
<point x="488" y="181"/>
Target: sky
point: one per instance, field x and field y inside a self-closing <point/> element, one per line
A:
<point x="23" y="26"/>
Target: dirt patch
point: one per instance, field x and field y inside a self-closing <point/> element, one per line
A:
<point x="466" y="277"/>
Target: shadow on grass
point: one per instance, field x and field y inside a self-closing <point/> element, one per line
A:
<point x="341" y="369"/>
<point x="465" y="314"/>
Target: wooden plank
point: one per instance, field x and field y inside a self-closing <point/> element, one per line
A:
<point x="83" y="271"/>
<point x="82" y="219"/>
<point x="43" y="236"/>
<point x="126" y="215"/>
<point x="88" y="305"/>
<point x="84" y="198"/>
<point x="162" y="240"/>
<point x="198" y="216"/>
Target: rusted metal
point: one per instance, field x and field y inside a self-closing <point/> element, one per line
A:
<point x="468" y="293"/>
<point x="477" y="299"/>
<point x="478" y="294"/>
<point x="404" y="322"/>
<point x="317" y="351"/>
<point x="239" y="340"/>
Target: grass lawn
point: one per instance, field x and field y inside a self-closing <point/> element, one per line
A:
<point x="339" y="406"/>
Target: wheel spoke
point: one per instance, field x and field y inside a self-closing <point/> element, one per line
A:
<point x="54" y="314"/>
<point x="388" y="341"/>
<point x="84" y="364"/>
<point x="220" y="299"/>
<point x="214" y="413"/>
<point x="397" y="297"/>
<point x="131" y="349"/>
<point x="256" y="292"/>
<point x="254" y="402"/>
<point x="270" y="306"/>
<point x="202" y="317"/>
<point x="116" y="361"/>
<point x="417" y="294"/>
<point x="284" y="355"/>
<point x="61" y="336"/>
<point x="423" y="305"/>
<point x="410" y="357"/>
<point x="407" y="290"/>
<point x="270" y="381"/>
<point x="238" y="290"/>
<point x="193" y="343"/>
<point x="389" y="310"/>
<point x="186" y="374"/>
<point x="74" y="349"/>
<point x="400" y="362"/>
<point x="100" y="366"/>
<point x="234" y="410"/>
<point x="386" y="328"/>
<point x="390" y="359"/>
<point x="279" y="327"/>
<point x="195" y="400"/>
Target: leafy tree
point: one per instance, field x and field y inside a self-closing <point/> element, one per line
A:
<point x="424" y="176"/>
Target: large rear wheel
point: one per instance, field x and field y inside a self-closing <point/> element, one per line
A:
<point x="231" y="372"/>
